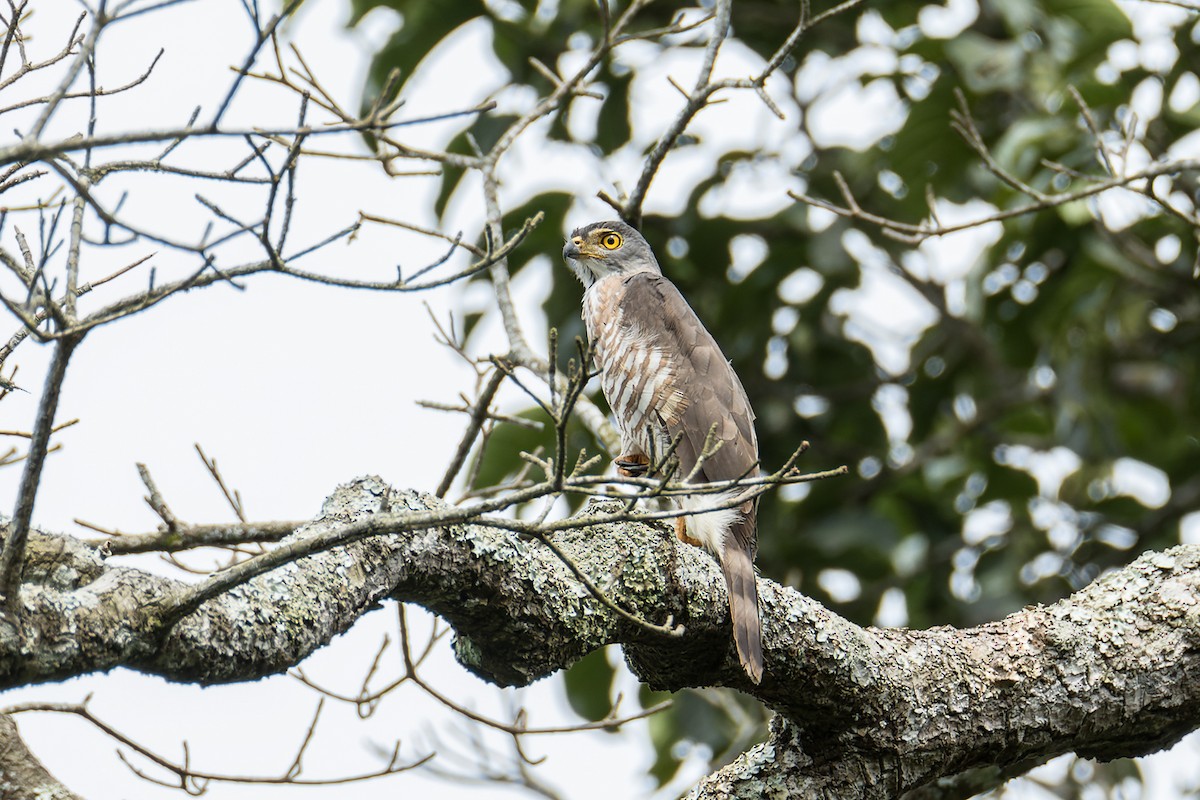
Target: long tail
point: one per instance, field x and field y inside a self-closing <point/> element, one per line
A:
<point x="737" y="562"/>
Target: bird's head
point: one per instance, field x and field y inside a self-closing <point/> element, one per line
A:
<point x="607" y="248"/>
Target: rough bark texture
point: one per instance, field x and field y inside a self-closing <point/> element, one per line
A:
<point x="1113" y="670"/>
<point x="22" y="776"/>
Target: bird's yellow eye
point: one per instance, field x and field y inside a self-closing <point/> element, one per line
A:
<point x="611" y="241"/>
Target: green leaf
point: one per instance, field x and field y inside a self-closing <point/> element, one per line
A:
<point x="423" y="25"/>
<point x="500" y="459"/>
<point x="589" y="684"/>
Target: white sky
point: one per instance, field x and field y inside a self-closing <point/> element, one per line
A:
<point x="296" y="388"/>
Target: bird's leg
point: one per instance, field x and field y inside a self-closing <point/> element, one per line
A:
<point x="682" y="534"/>
<point x="632" y="465"/>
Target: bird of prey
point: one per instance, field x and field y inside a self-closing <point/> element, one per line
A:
<point x="666" y="379"/>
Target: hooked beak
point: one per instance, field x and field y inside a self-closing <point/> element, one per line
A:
<point x="573" y="248"/>
<point x="579" y="262"/>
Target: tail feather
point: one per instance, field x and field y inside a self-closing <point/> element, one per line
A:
<point x="738" y="566"/>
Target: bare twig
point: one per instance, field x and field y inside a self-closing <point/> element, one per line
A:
<point x="234" y="498"/>
<point x="909" y="233"/>
<point x="478" y="416"/>
<point x="194" y="781"/>
<point x="30" y="151"/>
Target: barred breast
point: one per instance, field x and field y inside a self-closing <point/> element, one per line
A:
<point x="637" y="378"/>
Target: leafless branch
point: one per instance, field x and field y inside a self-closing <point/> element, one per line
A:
<point x="234" y="498"/>
<point x="13" y="554"/>
<point x="195" y="782"/>
<point x="1093" y="185"/>
<point x="702" y="93"/>
<point x="479" y="414"/>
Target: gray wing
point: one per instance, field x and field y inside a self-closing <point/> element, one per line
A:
<point x="708" y="389"/>
<point x="704" y="391"/>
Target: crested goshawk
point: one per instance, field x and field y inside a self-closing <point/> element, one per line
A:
<point x="665" y="379"/>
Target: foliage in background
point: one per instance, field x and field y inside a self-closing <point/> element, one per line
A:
<point x="1069" y="343"/>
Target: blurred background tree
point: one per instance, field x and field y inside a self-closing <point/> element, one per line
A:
<point x="1018" y="401"/>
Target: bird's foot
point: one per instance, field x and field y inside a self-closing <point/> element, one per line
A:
<point x="682" y="534"/>
<point x="632" y="465"/>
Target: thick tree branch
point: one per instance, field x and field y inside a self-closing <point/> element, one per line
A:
<point x="1107" y="673"/>
<point x="866" y="713"/>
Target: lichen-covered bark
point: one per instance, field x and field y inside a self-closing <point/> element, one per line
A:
<point x="22" y="776"/>
<point x="1110" y="671"/>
